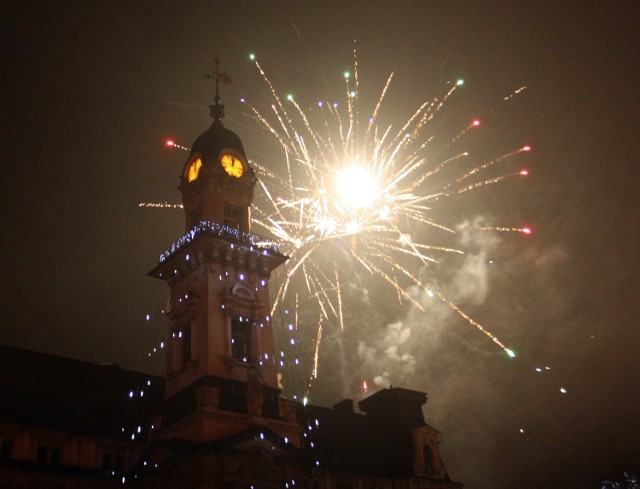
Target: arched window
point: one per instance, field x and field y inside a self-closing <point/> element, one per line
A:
<point x="427" y="457"/>
<point x="232" y="216"/>
<point x="240" y="338"/>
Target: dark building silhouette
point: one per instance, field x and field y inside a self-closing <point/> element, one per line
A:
<point x="217" y="419"/>
<point x="66" y="423"/>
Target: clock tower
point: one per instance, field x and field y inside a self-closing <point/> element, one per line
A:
<point x="221" y="374"/>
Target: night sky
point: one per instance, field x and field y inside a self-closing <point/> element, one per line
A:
<point x="93" y="89"/>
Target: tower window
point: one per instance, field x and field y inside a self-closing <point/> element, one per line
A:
<point x="186" y="344"/>
<point x="232" y="216"/>
<point x="240" y="337"/>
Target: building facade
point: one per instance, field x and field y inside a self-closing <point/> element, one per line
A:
<point x="71" y="424"/>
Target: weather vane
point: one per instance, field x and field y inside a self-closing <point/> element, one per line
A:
<point x="217" y="109"/>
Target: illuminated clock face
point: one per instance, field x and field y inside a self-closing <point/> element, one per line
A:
<point x="193" y="169"/>
<point x="232" y="165"/>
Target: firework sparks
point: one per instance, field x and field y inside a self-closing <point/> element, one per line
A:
<point x="160" y="205"/>
<point x="515" y="92"/>
<point x="172" y="144"/>
<point x="499" y="229"/>
<point x="316" y="354"/>
<point x="354" y="195"/>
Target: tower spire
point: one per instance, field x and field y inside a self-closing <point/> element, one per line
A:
<point x="217" y="109"/>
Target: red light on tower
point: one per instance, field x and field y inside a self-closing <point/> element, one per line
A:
<point x="524" y="173"/>
<point x="526" y="230"/>
<point x="526" y="148"/>
<point x="170" y="142"/>
<point x="475" y="123"/>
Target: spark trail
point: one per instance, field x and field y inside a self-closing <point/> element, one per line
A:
<point x="161" y="205"/>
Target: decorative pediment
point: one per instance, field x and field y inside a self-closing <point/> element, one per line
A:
<point x="243" y="292"/>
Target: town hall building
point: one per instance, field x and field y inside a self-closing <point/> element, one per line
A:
<point x="217" y="419"/>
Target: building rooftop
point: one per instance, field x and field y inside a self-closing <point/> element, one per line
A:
<point x="62" y="394"/>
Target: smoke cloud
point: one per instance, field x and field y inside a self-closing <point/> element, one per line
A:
<point x="438" y="352"/>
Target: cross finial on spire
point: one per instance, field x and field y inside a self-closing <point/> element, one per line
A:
<point x="217" y="109"/>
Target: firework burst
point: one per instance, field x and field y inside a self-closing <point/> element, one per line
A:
<point x="354" y="194"/>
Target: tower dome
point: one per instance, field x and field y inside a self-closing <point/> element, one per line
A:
<point x="211" y="142"/>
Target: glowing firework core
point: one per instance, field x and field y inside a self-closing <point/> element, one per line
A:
<point x="356" y="188"/>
